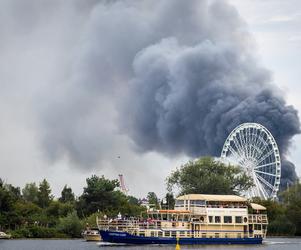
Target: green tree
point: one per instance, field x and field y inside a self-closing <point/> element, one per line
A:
<point x="67" y="195"/>
<point x="292" y="200"/>
<point x="14" y="191"/>
<point x="133" y="200"/>
<point x="6" y="207"/>
<point x="281" y="226"/>
<point x="208" y="176"/>
<point x="91" y="220"/>
<point x="27" y="212"/>
<point x="153" y="200"/>
<point x="58" y="209"/>
<point x="70" y="225"/>
<point x="97" y="195"/>
<point x="44" y="194"/>
<point x="168" y="202"/>
<point x="30" y="193"/>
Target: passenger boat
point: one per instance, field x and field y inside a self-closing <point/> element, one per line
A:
<point x="195" y="219"/>
<point x="91" y="234"/>
<point x="4" y="236"/>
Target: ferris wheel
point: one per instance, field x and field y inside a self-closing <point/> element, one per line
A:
<point x="253" y="147"/>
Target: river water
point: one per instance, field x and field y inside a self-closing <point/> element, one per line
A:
<point x="269" y="244"/>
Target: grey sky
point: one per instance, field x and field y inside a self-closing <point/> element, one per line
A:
<point x="51" y="129"/>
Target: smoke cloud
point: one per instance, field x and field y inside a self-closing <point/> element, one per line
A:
<point x="188" y="99"/>
<point x="172" y="76"/>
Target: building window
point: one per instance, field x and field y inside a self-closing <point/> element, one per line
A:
<point x="217" y="219"/>
<point x="227" y="219"/>
<point x="238" y="219"/>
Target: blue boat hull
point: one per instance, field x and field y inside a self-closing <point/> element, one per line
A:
<point x="123" y="237"/>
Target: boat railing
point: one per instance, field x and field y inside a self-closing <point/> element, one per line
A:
<point x="121" y="225"/>
<point x="126" y="225"/>
<point x="258" y="218"/>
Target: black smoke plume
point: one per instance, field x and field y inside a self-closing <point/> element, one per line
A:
<point x="186" y="99"/>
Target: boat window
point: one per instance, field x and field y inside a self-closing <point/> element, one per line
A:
<point x="167" y="233"/>
<point x="164" y="216"/>
<point x="196" y="218"/>
<point x="179" y="203"/>
<point x="227" y="219"/>
<point x="203" y="235"/>
<point x="210" y="219"/>
<point x="152" y="234"/>
<point x="155" y="216"/>
<point x="202" y="219"/>
<point x="239" y="235"/>
<point x="217" y="219"/>
<point x="160" y="234"/>
<point x="238" y="219"/>
<point x="257" y="227"/>
<point x="186" y="217"/>
<point x="197" y="203"/>
<point x="142" y="233"/>
<point x="180" y="217"/>
<point x="216" y="235"/>
<point x="168" y="216"/>
<point x="174" y="234"/>
<point x="182" y="233"/>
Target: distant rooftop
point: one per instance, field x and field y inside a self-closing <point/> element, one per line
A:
<point x="212" y="197"/>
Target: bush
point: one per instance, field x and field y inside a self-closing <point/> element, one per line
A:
<point x="91" y="220"/>
<point x="20" y="233"/>
<point x="37" y="232"/>
<point x="281" y="226"/>
<point x="70" y="225"/>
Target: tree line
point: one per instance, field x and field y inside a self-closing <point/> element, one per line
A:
<point x="34" y="212"/>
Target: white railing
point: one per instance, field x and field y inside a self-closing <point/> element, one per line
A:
<point x="258" y="218"/>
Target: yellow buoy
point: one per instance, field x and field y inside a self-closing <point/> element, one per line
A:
<point x="178" y="245"/>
